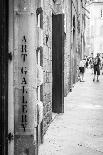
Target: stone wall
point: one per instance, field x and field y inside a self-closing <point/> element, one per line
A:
<point x="75" y="41"/>
<point x="27" y="38"/>
<point x="67" y="47"/>
<point x="71" y="54"/>
<point x="47" y="62"/>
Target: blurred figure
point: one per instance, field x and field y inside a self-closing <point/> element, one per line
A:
<point x="87" y="62"/>
<point x="96" y="67"/>
<point x="82" y="69"/>
<point x="91" y="64"/>
<point x="101" y="68"/>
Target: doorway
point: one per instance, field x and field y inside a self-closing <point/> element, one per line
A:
<point x="58" y="63"/>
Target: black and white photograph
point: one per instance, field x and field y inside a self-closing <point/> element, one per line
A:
<point x="51" y="77"/>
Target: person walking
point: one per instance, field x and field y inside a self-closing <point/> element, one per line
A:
<point x="87" y="62"/>
<point x="82" y="69"/>
<point x="102" y="65"/>
<point x="96" y="67"/>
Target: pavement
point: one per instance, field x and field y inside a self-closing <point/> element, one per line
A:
<point x="79" y="130"/>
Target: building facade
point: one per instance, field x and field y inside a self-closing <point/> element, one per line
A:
<point x="95" y="28"/>
<point x="40" y="57"/>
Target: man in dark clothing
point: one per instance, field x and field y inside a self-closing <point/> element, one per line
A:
<point x="96" y="65"/>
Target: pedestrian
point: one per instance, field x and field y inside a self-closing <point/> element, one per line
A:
<point x="87" y="60"/>
<point x="102" y="65"/>
<point x="96" y="67"/>
<point x="82" y="69"/>
<point x="92" y="66"/>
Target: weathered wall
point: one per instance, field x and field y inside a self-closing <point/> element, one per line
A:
<point x="25" y="76"/>
<point x="47" y="62"/>
<point x="74" y="42"/>
<point x="28" y="37"/>
<point x="49" y="7"/>
<point x="67" y="47"/>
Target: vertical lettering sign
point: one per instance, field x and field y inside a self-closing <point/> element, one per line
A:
<point x="24" y="104"/>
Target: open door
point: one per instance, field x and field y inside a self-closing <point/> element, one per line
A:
<point x="3" y="77"/>
<point x="58" y="63"/>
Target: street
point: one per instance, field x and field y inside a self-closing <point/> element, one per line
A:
<point x="79" y="130"/>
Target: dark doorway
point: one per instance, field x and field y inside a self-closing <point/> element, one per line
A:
<point x="58" y="63"/>
<point x="3" y="77"/>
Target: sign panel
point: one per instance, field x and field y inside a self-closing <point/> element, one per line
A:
<point x="24" y="94"/>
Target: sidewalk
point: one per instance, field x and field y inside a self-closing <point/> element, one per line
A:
<point x="79" y="131"/>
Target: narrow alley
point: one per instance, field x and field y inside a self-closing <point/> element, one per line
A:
<point x="79" y="131"/>
<point x="45" y="108"/>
